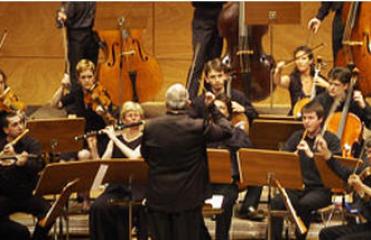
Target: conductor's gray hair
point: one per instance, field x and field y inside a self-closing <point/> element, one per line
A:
<point x="176" y="97"/>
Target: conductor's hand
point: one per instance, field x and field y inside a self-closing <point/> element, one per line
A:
<point x="322" y="147"/>
<point x="314" y="24"/>
<point x="209" y="98"/>
<point x="303" y="146"/>
<point x="22" y="159"/>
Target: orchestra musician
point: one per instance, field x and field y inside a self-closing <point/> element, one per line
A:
<point x="301" y="79"/>
<point x="108" y="221"/>
<point x="239" y="139"/>
<point x="314" y="195"/>
<point x="361" y="185"/>
<point x="206" y="37"/>
<point x="339" y="79"/>
<point x="174" y="146"/>
<point x="93" y="113"/>
<point x="216" y="77"/>
<point x="315" y="23"/>
<point x="78" y="18"/>
<point x="18" y="178"/>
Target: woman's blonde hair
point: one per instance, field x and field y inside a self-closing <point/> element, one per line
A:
<point x="83" y="65"/>
<point x="131" y="106"/>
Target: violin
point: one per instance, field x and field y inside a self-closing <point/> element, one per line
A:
<point x="9" y="102"/>
<point x="98" y="99"/>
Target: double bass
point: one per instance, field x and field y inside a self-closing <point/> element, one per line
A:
<point x="251" y="66"/>
<point x="128" y="73"/>
<point x="356" y="50"/>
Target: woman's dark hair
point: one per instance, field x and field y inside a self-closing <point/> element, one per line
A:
<point x="224" y="98"/>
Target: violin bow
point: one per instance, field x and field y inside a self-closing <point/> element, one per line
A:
<point x="314" y="49"/>
<point x="5" y="34"/>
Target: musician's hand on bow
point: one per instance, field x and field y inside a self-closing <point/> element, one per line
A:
<point x="279" y="67"/>
<point x="355" y="181"/>
<point x="209" y="98"/>
<point x="322" y="148"/>
<point x="236" y="107"/>
<point x="303" y="146"/>
<point x="99" y="110"/>
<point x="22" y="159"/>
<point x="358" y="98"/>
<point x="66" y="81"/>
<point x="314" y="24"/>
<point x="61" y="16"/>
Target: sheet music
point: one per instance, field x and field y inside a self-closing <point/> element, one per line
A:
<point x="215" y="201"/>
<point x="99" y="177"/>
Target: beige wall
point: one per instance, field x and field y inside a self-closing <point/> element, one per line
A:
<point x="32" y="55"/>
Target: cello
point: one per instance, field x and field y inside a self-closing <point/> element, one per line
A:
<point x="128" y="72"/>
<point x="347" y="126"/>
<point x="356" y="42"/>
<point x="251" y="66"/>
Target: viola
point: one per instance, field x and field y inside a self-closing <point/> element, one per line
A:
<point x="99" y="100"/>
<point x="9" y="102"/>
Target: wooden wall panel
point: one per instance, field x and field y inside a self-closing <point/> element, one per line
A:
<point x="33" y="52"/>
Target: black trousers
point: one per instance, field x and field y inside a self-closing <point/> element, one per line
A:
<point x="205" y="33"/>
<point x="337" y="34"/>
<point x="223" y="220"/>
<point x="347" y="232"/>
<point x="252" y="198"/>
<point x="9" y="229"/>
<point x="110" y="222"/>
<point x="184" y="225"/>
<point x="304" y="203"/>
<point x="82" y="44"/>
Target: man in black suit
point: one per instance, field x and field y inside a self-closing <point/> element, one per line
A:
<point x="174" y="146"/>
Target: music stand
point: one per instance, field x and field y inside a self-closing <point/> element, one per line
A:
<point x="126" y="171"/>
<point x="56" y="176"/>
<point x="329" y="178"/>
<point x="272" y="13"/>
<point x="270" y="134"/>
<point x="219" y="163"/>
<point x="262" y="167"/>
<point x="57" y="135"/>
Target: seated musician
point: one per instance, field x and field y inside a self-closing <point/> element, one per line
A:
<point x="339" y="79"/>
<point x="94" y="114"/>
<point x="9" y="102"/>
<point x="314" y="195"/>
<point x="239" y="139"/>
<point x="108" y="221"/>
<point x="362" y="188"/>
<point x="216" y="77"/>
<point x="301" y="79"/>
<point x="18" y="178"/>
